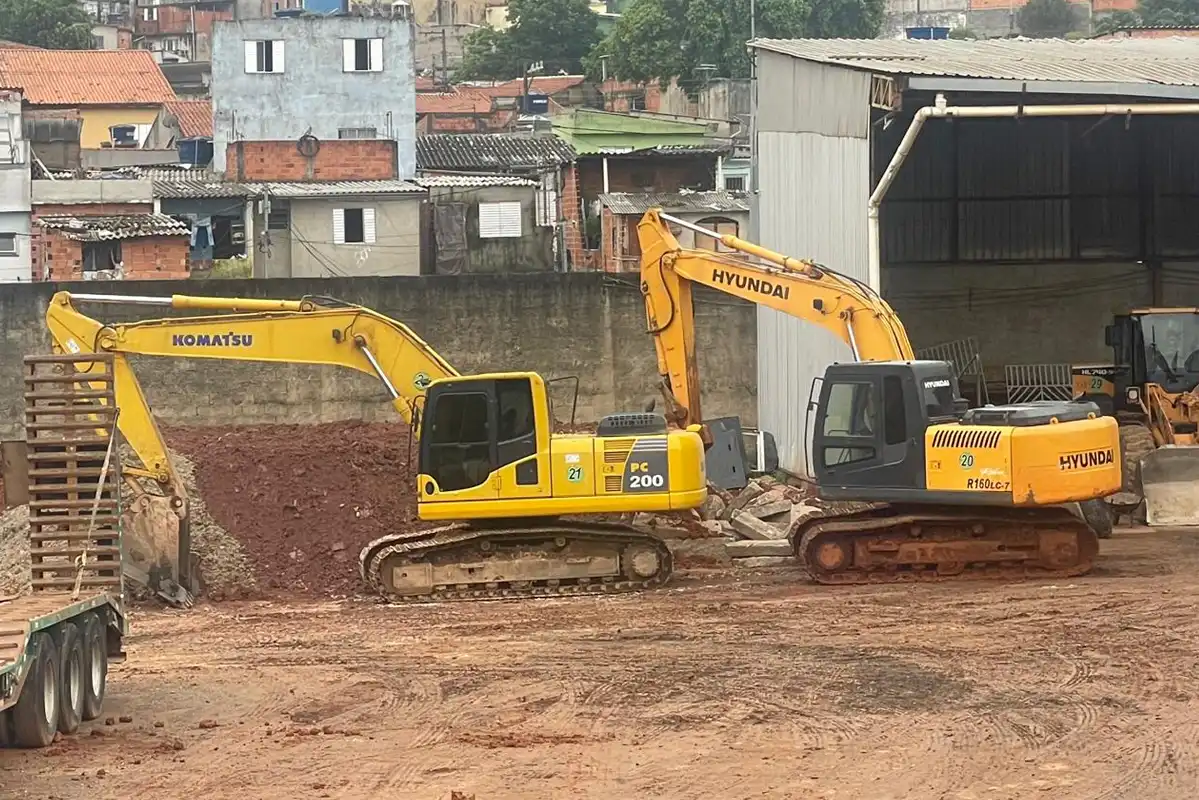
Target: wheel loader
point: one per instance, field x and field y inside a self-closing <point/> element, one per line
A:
<point x="1152" y="388"/>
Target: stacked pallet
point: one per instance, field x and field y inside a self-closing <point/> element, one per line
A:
<point x="74" y="473"/>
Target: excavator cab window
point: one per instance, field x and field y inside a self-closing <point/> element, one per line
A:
<point x="457" y="444"/>
<point x="471" y="428"/>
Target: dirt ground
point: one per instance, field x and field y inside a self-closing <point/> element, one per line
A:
<point x="721" y="686"/>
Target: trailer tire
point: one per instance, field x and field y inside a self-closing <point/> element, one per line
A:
<point x="6" y="734"/>
<point x="71" y="680"/>
<point x="35" y="716"/>
<point x="95" y="666"/>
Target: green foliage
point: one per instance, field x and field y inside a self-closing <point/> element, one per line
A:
<point x="665" y="39"/>
<point x="558" y="33"/>
<point x="1168" y="13"/>
<point x="1117" y="20"/>
<point x="1161" y="13"/>
<point x="1044" y="19"/>
<point x="56" y="24"/>
<point x="962" y="33"/>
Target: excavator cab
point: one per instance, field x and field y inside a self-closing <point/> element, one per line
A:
<point x="870" y="423"/>
<point x="483" y="426"/>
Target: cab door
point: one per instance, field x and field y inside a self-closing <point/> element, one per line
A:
<point x="522" y="461"/>
<point x="458" y="442"/>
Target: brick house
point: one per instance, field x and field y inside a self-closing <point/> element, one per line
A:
<point x="328" y="208"/>
<point x="547" y="160"/>
<point x="104" y="229"/>
<point x="113" y="247"/>
<point x="118" y="95"/>
<point x="719" y="211"/>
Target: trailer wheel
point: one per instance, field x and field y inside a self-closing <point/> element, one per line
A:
<point x="70" y="684"/>
<point x="35" y="716"/>
<point x="95" y="666"/>
<point x="6" y="734"/>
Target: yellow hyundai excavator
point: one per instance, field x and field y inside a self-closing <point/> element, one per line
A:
<point x="930" y="490"/>
<point x="487" y="458"/>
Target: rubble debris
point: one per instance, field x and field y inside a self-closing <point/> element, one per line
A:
<point x="773" y="547"/>
<point x="14" y="551"/>
<point x="750" y="527"/>
<point x="767" y="562"/>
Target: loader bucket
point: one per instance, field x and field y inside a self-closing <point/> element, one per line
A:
<point x="1170" y="484"/>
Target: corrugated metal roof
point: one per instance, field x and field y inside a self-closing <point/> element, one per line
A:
<point x="1166" y="62"/>
<point x="490" y="152"/>
<point x="124" y="226"/>
<point x="639" y="203"/>
<point x="472" y="181"/>
<point x="196" y="189"/>
<point x="333" y="188"/>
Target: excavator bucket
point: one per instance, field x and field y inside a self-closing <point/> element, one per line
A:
<point x="1170" y="483"/>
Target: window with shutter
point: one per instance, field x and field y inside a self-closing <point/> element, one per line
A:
<point x="264" y="56"/>
<point x="499" y="220"/>
<point x="339" y="226"/>
<point x="361" y="55"/>
<point x="368" y="225"/>
<point x="354" y="226"/>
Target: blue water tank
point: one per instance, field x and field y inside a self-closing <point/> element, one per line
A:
<point x="927" y="32"/>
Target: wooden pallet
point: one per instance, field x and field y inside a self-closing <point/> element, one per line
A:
<point x="74" y="500"/>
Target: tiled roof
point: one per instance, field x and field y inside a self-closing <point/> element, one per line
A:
<point x="472" y="181"/>
<point x="462" y="101"/>
<point x="85" y="77"/>
<point x="195" y="117"/>
<point x="333" y="188"/>
<point x="490" y="152"/>
<point x="1168" y="62"/>
<point x="125" y="226"/>
<point x="639" y="203"/>
<point x="541" y="84"/>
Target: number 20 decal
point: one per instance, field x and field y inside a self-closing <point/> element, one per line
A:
<point x="646" y="481"/>
<point x="966" y="460"/>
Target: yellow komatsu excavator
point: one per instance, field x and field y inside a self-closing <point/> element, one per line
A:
<point x="487" y="459"/>
<point x="922" y="488"/>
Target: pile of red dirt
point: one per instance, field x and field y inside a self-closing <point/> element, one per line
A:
<point x="304" y="500"/>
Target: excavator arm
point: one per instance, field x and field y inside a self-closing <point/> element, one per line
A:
<point x="848" y="308"/>
<point x="308" y="331"/>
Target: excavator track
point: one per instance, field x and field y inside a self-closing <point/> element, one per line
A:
<point x="864" y="543"/>
<point x="556" y="558"/>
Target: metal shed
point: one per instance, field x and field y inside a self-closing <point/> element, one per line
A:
<point x="1023" y="232"/>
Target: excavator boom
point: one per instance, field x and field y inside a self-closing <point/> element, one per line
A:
<point x="848" y="308"/>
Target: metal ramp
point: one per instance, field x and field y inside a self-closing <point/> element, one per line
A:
<point x="74" y="474"/>
<point x="1028" y="383"/>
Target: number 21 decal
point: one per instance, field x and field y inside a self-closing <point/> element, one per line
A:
<point x="574" y="474"/>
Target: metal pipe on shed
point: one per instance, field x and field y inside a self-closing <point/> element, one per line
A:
<point x="942" y="110"/>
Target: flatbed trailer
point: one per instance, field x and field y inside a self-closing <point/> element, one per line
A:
<point x="57" y="641"/>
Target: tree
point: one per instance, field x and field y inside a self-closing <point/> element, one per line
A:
<point x="1046" y="19"/>
<point x="1163" y="13"/>
<point x="557" y="33"/>
<point x="665" y="39"/>
<point x="57" y="24"/>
